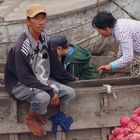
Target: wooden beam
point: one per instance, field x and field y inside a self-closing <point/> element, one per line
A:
<point x="14" y="116"/>
<point x="2" y="88"/>
<point x="123" y="9"/>
<point x="104" y="133"/>
<point x="104" y="121"/>
<point x="120" y="81"/>
<point x="16" y="128"/>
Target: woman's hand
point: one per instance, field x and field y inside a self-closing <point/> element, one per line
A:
<point x="104" y="68"/>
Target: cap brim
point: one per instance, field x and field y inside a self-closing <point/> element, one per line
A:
<point x="37" y="12"/>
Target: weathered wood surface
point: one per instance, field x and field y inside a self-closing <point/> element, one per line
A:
<point x="118" y="81"/>
<point x="91" y="108"/>
<point x="94" y="105"/>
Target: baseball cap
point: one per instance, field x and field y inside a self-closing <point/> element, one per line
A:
<point x="34" y="9"/>
<point x="58" y="40"/>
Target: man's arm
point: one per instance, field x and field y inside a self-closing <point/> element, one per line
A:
<point x="26" y="75"/>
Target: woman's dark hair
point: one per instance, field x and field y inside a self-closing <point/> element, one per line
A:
<point x="103" y="20"/>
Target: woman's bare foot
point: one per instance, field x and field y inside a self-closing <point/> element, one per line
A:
<point x="31" y="120"/>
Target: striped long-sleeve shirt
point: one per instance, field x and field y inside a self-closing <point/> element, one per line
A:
<point x="127" y="33"/>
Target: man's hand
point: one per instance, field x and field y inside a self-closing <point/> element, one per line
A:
<point x="55" y="101"/>
<point x="104" y="68"/>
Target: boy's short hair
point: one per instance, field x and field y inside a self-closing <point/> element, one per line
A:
<point x="103" y="20"/>
<point x="58" y="40"/>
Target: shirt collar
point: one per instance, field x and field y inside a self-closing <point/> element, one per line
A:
<point x="69" y="53"/>
<point x="32" y="40"/>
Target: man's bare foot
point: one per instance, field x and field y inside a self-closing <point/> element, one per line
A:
<point x="42" y="120"/>
<point x="31" y="120"/>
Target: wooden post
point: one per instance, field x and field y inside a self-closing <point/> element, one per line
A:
<point x="104" y="102"/>
<point x="63" y="136"/>
<point x="14" y="118"/>
<point x="60" y="135"/>
<point x="104" y="133"/>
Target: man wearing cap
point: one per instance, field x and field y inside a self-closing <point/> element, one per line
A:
<point x="32" y="70"/>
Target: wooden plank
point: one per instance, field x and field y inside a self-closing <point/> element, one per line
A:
<point x="92" y="83"/>
<point x="2" y="88"/>
<point x="30" y="136"/>
<point x="14" y="116"/>
<point x="104" y="102"/>
<point x="99" y="82"/>
<point x="84" y="134"/>
<point x="6" y="110"/>
<point x="2" y="78"/>
<point x="4" y="137"/>
<point x="63" y="136"/>
<point x="14" y="128"/>
<point x="87" y="103"/>
<point x="120" y="81"/>
<point x="104" y="133"/>
<point x="60" y="135"/>
<point x="105" y="120"/>
<point x="13" y="136"/>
